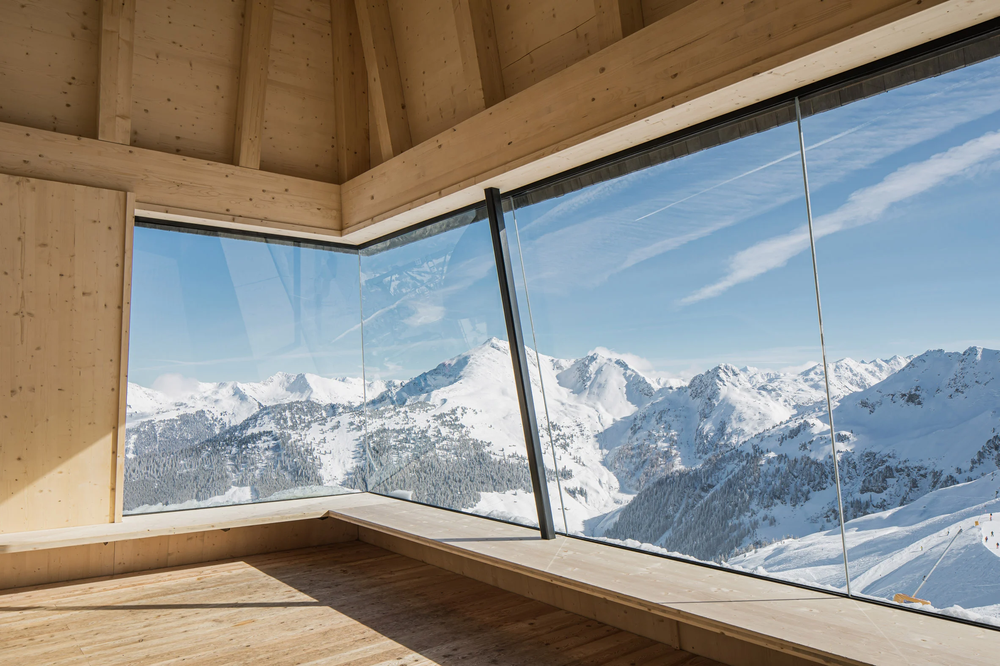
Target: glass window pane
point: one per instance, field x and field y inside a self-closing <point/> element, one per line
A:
<point x="244" y="371"/>
<point x="444" y="426"/>
<point x="675" y="316"/>
<point x="906" y="193"/>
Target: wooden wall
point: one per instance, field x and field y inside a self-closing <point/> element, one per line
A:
<point x="62" y="254"/>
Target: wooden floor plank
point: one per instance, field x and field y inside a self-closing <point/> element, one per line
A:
<point x="350" y="604"/>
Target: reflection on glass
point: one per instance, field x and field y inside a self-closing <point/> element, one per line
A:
<point x="906" y="193"/>
<point x="244" y="372"/>
<point x="443" y="422"/>
<point x="678" y="350"/>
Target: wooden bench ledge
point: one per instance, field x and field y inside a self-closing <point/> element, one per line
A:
<point x="181" y="522"/>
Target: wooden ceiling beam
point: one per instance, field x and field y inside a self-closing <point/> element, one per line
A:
<point x="480" y="56"/>
<point x="709" y="59"/>
<point x="385" y="87"/>
<point x="276" y="201"/>
<point x="257" y="20"/>
<point x="350" y="85"/>
<point x="617" y="19"/>
<point x="114" y="93"/>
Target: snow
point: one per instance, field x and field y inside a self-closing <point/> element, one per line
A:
<point x="891" y="551"/>
<point x="513" y="506"/>
<point x="917" y="440"/>
<point x="242" y="495"/>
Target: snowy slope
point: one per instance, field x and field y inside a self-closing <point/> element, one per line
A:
<point x="939" y="409"/>
<point x="734" y="466"/>
<point x="891" y="551"/>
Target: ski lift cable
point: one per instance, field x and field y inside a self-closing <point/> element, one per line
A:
<point x="924" y="581"/>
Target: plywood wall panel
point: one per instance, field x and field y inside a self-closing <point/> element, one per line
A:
<point x="186" y="76"/>
<point x="537" y="38"/>
<point x="62" y="255"/>
<point x="300" y="109"/>
<point x="49" y="64"/>
<point x="430" y="65"/>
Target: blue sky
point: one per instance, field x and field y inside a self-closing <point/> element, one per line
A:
<point x="688" y="264"/>
<point x="216" y="309"/>
<point x="705" y="259"/>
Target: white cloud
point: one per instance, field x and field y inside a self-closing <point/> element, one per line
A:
<point x="591" y="235"/>
<point x="863" y="207"/>
<point x="424" y="313"/>
<point x="646" y="368"/>
<point x="175" y="385"/>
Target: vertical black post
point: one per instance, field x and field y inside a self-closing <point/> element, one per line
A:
<point x="519" y="359"/>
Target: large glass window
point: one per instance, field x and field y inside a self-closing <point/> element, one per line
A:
<point x="672" y="301"/>
<point x="444" y="427"/>
<point x="245" y="378"/>
<point x="669" y="299"/>
<point x="670" y="356"/>
<point x="906" y="193"/>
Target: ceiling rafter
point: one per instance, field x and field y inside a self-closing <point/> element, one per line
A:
<point x="480" y="55"/>
<point x="350" y="82"/>
<point x="385" y="87"/>
<point x="617" y="19"/>
<point x="257" y="21"/>
<point x="114" y="93"/>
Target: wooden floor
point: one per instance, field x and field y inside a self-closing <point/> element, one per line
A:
<point x="351" y="603"/>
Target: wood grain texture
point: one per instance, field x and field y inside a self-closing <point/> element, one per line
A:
<point x="300" y="114"/>
<point x="538" y="38"/>
<point x="617" y="19"/>
<point x="255" y="56"/>
<point x="385" y="87"/>
<point x="655" y="10"/>
<point x="118" y="454"/>
<point x="63" y="249"/>
<point x="114" y="95"/>
<point x="49" y="64"/>
<point x="707" y="60"/>
<point x="642" y="622"/>
<point x="158" y="178"/>
<point x="430" y="66"/>
<point x="716" y="613"/>
<point x="181" y="522"/>
<point x="186" y="77"/>
<point x="346" y="604"/>
<point x="350" y="82"/>
<point x="58" y="565"/>
<point x="706" y="603"/>
<point x="480" y="55"/>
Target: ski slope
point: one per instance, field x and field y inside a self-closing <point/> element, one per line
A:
<point x="891" y="551"/>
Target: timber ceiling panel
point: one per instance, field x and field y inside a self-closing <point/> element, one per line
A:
<point x="300" y="111"/>
<point x="537" y="38"/>
<point x="186" y="76"/>
<point x="430" y="64"/>
<point x="654" y="10"/>
<point x="48" y="64"/>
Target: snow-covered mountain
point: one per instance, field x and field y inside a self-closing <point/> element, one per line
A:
<point x="733" y="466"/>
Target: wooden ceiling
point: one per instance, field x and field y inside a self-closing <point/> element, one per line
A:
<point x="412" y="105"/>
<point x="264" y="84"/>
